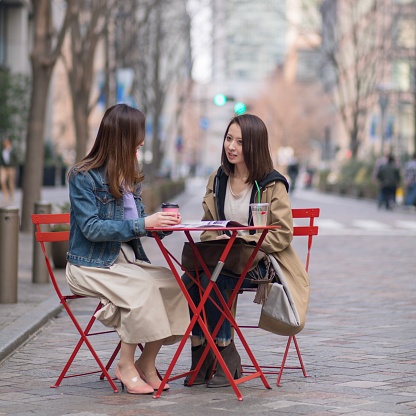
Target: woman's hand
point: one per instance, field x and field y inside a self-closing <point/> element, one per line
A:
<point x="162" y="219"/>
<point x="222" y="237"/>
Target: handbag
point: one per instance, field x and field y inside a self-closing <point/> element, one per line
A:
<point x="279" y="314"/>
<point x="211" y="252"/>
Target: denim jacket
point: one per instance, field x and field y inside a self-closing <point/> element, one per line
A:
<point x="98" y="226"/>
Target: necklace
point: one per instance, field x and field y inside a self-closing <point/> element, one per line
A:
<point x="240" y="194"/>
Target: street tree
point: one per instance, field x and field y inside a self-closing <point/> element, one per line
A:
<point x="295" y="113"/>
<point x="47" y="43"/>
<point x="86" y="29"/>
<point x="352" y="51"/>
<point x="159" y="54"/>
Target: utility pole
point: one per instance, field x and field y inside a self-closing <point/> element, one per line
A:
<point x="414" y="80"/>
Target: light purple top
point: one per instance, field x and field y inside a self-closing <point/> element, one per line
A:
<point x="130" y="208"/>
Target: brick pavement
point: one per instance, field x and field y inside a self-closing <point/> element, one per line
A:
<point x="358" y="345"/>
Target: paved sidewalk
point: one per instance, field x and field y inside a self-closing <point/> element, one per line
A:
<point x="358" y="345"/>
<point x="36" y="303"/>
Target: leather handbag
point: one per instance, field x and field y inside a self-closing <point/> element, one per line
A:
<point x="279" y="312"/>
<point x="211" y="252"/>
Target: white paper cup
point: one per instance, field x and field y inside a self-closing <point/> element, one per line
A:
<point x="259" y="213"/>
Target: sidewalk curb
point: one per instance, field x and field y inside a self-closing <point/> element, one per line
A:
<point x="21" y="330"/>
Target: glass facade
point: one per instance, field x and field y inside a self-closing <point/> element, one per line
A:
<point x="3" y="32"/>
<point x="250" y="38"/>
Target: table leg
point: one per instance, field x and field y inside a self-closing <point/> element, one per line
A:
<point x="225" y="311"/>
<point x="196" y="311"/>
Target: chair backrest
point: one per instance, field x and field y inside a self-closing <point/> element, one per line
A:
<point x="47" y="236"/>
<point x="309" y="230"/>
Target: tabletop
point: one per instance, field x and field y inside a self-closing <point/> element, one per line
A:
<point x="192" y="227"/>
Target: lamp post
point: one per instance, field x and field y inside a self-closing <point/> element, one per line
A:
<point x="383" y="100"/>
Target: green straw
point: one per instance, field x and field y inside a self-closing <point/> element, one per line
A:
<point x="258" y="193"/>
<point x="258" y="189"/>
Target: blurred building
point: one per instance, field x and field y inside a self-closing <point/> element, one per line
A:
<point x="254" y="46"/>
<point x="152" y="72"/>
<point x="15" y="36"/>
<point x="368" y="66"/>
<point x="249" y="38"/>
<point x="303" y="41"/>
<point x="362" y="53"/>
<point x="248" y="42"/>
<point x="15" y="70"/>
<point x="301" y="71"/>
<point x="400" y="77"/>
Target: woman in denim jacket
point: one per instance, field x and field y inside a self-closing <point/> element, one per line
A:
<point x="106" y="259"/>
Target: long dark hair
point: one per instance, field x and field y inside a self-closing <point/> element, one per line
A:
<point x="121" y="132"/>
<point x="255" y="148"/>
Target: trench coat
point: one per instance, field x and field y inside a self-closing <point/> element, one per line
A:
<point x="277" y="243"/>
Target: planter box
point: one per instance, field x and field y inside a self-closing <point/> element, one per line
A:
<point x="59" y="250"/>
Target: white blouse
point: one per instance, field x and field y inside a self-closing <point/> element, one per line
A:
<point x="236" y="206"/>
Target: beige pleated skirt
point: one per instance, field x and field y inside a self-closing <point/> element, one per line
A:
<point x="141" y="301"/>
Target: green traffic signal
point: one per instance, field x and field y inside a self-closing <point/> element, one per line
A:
<point x="239" y="108"/>
<point x="220" y="99"/>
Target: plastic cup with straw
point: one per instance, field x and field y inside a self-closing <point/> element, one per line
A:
<point x="259" y="210"/>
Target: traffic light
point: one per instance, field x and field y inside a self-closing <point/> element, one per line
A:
<point x="239" y="108"/>
<point x="220" y="100"/>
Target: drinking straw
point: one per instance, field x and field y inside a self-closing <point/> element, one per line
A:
<point x="258" y="189"/>
<point x="258" y="193"/>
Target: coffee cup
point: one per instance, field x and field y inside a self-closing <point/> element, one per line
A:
<point x="259" y="213"/>
<point x="169" y="207"/>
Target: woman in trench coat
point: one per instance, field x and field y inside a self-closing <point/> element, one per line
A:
<point x="247" y="171"/>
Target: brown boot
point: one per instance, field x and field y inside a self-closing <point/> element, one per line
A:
<point x="233" y="361"/>
<point x="206" y="368"/>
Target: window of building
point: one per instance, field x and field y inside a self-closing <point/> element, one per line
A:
<point x="406" y="33"/>
<point x="307" y="65"/>
<point x="401" y="75"/>
<point x="241" y="73"/>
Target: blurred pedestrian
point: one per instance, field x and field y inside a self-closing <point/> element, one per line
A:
<point x="389" y="178"/>
<point x="293" y="172"/>
<point x="309" y="177"/>
<point x="8" y="163"/>
<point x="410" y="182"/>
<point x="381" y="161"/>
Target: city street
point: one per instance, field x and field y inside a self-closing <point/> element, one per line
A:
<point x="358" y="345"/>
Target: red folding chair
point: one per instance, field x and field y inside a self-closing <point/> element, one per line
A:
<point x="47" y="236"/>
<point x="298" y="230"/>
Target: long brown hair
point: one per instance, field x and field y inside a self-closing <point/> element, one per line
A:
<point x="255" y="148"/>
<point x="121" y="132"/>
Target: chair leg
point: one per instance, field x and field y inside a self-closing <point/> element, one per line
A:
<point x="285" y="356"/>
<point x="79" y="344"/>
<point x="68" y="364"/>
<point x="300" y="357"/>
<point x="97" y="359"/>
<point x="84" y="335"/>
<point x="111" y="360"/>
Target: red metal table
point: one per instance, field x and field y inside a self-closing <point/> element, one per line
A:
<point x="197" y="310"/>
